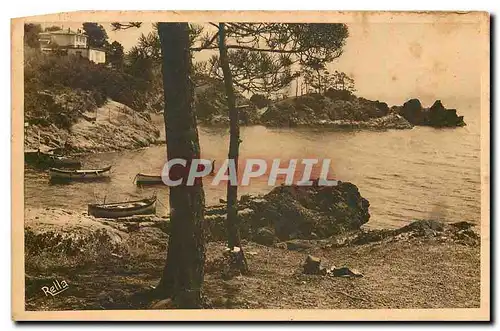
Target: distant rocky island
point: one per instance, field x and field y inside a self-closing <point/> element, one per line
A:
<point x="333" y="109"/>
<point x="436" y="116"/>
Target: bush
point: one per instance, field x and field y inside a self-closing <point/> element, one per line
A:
<point x="84" y="84"/>
<point x="344" y="95"/>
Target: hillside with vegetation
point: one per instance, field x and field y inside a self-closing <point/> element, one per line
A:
<point x="63" y="93"/>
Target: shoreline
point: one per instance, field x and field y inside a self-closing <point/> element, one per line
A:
<point x="112" y="127"/>
<point x="119" y="260"/>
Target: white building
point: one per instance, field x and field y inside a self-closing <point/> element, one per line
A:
<point x="71" y="42"/>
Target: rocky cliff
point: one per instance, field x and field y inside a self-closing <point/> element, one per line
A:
<point x="110" y="127"/>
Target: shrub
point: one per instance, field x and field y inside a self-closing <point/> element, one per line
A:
<point x="85" y="84"/>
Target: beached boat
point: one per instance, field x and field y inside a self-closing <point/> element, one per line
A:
<point x="47" y="160"/>
<point x="142" y="179"/>
<point x="87" y="174"/>
<point x="65" y="162"/>
<point x="123" y="209"/>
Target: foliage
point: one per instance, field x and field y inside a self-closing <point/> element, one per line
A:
<point x="267" y="57"/>
<point x="115" y="55"/>
<point x="97" y="36"/>
<point x="342" y="82"/>
<point x="49" y="78"/>
<point x="211" y="107"/>
<point x="260" y="100"/>
<point x="52" y="28"/>
<point x="148" y="47"/>
<point x="321" y="80"/>
<point x="31" y="32"/>
<point x="124" y="26"/>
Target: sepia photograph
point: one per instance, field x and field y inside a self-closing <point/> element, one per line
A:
<point x="239" y="166"/>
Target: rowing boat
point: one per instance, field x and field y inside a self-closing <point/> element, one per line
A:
<point x="87" y="174"/>
<point x="123" y="209"/>
<point x="65" y="162"/>
<point x="46" y="160"/>
<point x="142" y="179"/>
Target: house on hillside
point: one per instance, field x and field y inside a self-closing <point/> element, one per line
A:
<point x="71" y="43"/>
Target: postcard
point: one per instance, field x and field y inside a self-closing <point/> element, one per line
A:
<point x="256" y="166"/>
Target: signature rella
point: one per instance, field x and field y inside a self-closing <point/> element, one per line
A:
<point x="178" y="171"/>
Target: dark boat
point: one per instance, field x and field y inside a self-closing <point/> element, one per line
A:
<point x="48" y="160"/>
<point x="65" y="162"/>
<point x="143" y="179"/>
<point x="123" y="209"/>
<point x="88" y="174"/>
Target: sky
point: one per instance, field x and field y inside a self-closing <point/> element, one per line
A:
<point x="391" y="62"/>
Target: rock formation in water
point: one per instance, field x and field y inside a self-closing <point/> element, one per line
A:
<point x="330" y="109"/>
<point x="341" y="109"/>
<point x="436" y="116"/>
<point x="289" y="212"/>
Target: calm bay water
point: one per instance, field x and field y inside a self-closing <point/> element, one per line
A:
<point x="405" y="174"/>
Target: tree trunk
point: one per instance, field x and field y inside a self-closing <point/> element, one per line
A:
<point x="182" y="277"/>
<point x="232" y="226"/>
<point x="319" y="81"/>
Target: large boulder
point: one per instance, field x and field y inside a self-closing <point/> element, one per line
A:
<point x="292" y="213"/>
<point x="413" y="111"/>
<point x="309" y="212"/>
<point x="265" y="236"/>
<point x="436" y="116"/>
<point x="439" y="116"/>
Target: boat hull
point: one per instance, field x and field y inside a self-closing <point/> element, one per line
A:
<point x="64" y="162"/>
<point x="142" y="179"/>
<point x="81" y="175"/>
<point x="117" y="210"/>
<point x="45" y="160"/>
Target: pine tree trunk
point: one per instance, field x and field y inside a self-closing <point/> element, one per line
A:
<point x="232" y="226"/>
<point x="319" y="81"/>
<point x="182" y="277"/>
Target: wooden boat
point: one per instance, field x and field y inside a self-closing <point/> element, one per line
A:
<point x="47" y="160"/>
<point x="65" y="162"/>
<point x="61" y="174"/>
<point x="123" y="209"/>
<point x="143" y="179"/>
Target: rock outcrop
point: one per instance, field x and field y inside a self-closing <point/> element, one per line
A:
<point x="110" y="127"/>
<point x="211" y="105"/>
<point x="295" y="212"/>
<point x="340" y="109"/>
<point x="316" y="109"/>
<point x="464" y="233"/>
<point x="436" y="116"/>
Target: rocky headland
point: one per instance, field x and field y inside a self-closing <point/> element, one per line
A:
<point x="349" y="111"/>
<point x="333" y="109"/>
